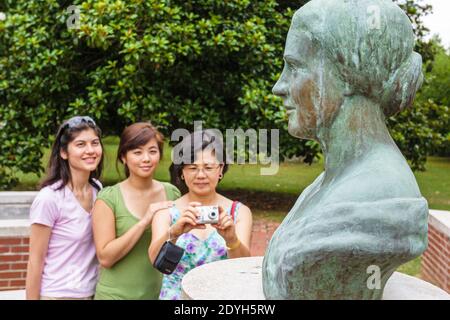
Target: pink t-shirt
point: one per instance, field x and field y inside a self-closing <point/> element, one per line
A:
<point x="71" y="266"/>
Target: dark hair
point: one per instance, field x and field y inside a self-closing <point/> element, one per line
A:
<point x="136" y="135"/>
<point x="194" y="143"/>
<point x="58" y="168"/>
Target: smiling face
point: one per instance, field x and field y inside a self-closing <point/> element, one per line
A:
<point x="143" y="160"/>
<point x="84" y="152"/>
<point x="306" y="85"/>
<point x="202" y="176"/>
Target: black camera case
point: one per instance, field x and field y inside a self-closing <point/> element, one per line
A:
<point x="168" y="257"/>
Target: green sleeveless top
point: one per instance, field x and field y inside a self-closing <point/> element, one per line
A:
<point x="133" y="277"/>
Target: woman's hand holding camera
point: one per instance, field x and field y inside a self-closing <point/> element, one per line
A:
<point x="226" y="227"/>
<point x="187" y="221"/>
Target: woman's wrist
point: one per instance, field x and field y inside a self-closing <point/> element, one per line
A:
<point x="233" y="244"/>
<point x="172" y="235"/>
<point x="143" y="224"/>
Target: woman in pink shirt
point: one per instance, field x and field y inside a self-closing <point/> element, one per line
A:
<point x="62" y="262"/>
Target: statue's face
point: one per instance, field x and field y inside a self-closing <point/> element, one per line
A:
<point x="307" y="86"/>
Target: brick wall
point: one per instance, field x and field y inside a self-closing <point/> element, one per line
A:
<point x="262" y="233"/>
<point x="13" y="262"/>
<point x="436" y="259"/>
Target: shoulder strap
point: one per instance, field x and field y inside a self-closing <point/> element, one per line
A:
<point x="233" y="209"/>
<point x="175" y="214"/>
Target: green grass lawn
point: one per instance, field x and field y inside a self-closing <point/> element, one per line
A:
<point x="435" y="183"/>
<point x="412" y="268"/>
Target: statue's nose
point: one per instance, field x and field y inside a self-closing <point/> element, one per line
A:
<point x="280" y="88"/>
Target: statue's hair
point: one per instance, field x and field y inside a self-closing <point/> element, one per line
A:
<point x="371" y="44"/>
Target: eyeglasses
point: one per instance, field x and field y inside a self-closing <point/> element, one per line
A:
<point x="208" y="169"/>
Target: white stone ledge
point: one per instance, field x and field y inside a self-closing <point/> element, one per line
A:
<point x="440" y="219"/>
<point x="14" y="228"/>
<point x="17" y="197"/>
<point x="12" y="295"/>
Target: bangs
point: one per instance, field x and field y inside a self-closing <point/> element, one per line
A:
<point x="140" y="139"/>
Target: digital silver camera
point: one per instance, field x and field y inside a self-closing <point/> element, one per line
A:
<point x="208" y="214"/>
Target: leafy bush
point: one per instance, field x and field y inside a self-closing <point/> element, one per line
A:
<point x="415" y="131"/>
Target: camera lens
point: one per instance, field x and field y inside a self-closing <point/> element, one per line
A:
<point x="212" y="215"/>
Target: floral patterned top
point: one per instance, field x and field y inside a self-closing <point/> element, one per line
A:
<point x="196" y="253"/>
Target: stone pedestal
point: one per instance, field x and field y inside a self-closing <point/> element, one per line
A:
<point x="240" y="279"/>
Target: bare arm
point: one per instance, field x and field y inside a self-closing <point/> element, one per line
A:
<point x="237" y="235"/>
<point x="109" y="248"/>
<point x="160" y="233"/>
<point x="39" y="239"/>
<point x="243" y="232"/>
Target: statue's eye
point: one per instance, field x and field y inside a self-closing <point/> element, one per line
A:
<point x="292" y="66"/>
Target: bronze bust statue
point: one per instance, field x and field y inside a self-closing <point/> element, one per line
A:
<point x="343" y="75"/>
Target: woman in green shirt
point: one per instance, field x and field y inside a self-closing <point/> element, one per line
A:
<point x="122" y="218"/>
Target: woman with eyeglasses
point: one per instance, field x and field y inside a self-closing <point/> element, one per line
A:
<point x="197" y="172"/>
<point x="123" y="214"/>
<point x="62" y="261"/>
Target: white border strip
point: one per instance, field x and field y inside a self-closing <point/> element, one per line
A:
<point x="440" y="219"/>
<point x="17" y="197"/>
<point x="14" y="228"/>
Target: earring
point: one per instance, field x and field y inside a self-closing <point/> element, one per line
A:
<point x="182" y="177"/>
<point x="220" y="176"/>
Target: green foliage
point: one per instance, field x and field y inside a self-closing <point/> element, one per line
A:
<point x="438" y="90"/>
<point x="172" y="62"/>
<point x="438" y="80"/>
<point x="415" y="131"/>
<point x="425" y="129"/>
